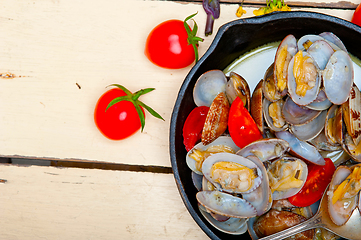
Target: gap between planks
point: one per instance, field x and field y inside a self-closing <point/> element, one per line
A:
<point x="85" y="164"/>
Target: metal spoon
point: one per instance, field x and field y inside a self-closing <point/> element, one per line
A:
<point x="350" y="230"/>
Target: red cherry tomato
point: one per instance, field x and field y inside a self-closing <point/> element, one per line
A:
<point x="193" y="126"/>
<point x="241" y="126"/>
<point x="356" y="17"/>
<point x="171" y="45"/>
<point x="119" y="121"/>
<point x="316" y="183"/>
<point x="119" y="114"/>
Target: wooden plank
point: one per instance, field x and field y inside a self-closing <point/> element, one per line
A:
<point x="50" y="48"/>
<point x="59" y="203"/>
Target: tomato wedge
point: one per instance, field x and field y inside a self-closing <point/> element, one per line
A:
<point x="241" y="126"/>
<point x="316" y="183"/>
<point x="193" y="126"/>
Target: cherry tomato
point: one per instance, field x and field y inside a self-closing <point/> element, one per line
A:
<point x="356" y="17"/>
<point x="193" y="126"/>
<point x="172" y="44"/>
<point x="119" y="114"/>
<point x="241" y="126"/>
<point x="316" y="183"/>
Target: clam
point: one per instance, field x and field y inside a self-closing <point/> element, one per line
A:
<point x="304" y="78"/>
<point x="343" y="193"/>
<point x="307" y="40"/>
<point x="311" y="129"/>
<point x="332" y="38"/>
<point x="286" y="50"/>
<point x="297" y="115"/>
<point x="199" y="152"/>
<point x="256" y="106"/>
<point x="232" y="173"/>
<point x="269" y="88"/>
<point x="226" y="204"/>
<point x="320" y="51"/>
<point x="237" y="86"/>
<point x="208" y="86"/>
<point x="321" y="102"/>
<point x="301" y="149"/>
<point x="217" y="119"/>
<point x="265" y="149"/>
<point x="272" y="112"/>
<point x="338" y="77"/>
<point x="332" y="126"/>
<point x="287" y="176"/>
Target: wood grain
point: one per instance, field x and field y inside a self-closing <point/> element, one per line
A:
<point x="61" y="203"/>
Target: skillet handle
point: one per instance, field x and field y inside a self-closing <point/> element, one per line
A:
<point x="311" y="223"/>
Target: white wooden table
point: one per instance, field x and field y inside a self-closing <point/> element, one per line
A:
<point x="56" y="58"/>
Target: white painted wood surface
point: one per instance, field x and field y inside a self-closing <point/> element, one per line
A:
<point x="50" y="46"/>
<point x="56" y="203"/>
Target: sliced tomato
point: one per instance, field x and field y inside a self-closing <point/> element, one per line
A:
<point x="241" y="126"/>
<point x="317" y="181"/>
<point x="193" y="126"/>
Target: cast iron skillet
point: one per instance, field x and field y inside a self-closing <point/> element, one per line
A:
<point x="232" y="40"/>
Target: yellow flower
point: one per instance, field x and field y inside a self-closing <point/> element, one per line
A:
<point x="259" y="11"/>
<point x="240" y="11"/>
<point x="272" y="6"/>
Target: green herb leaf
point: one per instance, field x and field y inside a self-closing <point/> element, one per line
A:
<point x="141" y="92"/>
<point x="150" y="110"/>
<point x="192" y="38"/>
<point x="123" y="88"/>
<point x="118" y="99"/>
<point x="141" y="115"/>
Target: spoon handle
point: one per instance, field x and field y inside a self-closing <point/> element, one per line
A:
<point x="311" y="223"/>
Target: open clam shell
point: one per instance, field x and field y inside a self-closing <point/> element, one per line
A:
<point x="287" y="176"/>
<point x="321" y="102"/>
<point x="265" y="149"/>
<point x="304" y="79"/>
<point x="237" y="86"/>
<point x="341" y="210"/>
<point x="286" y="50"/>
<point x="321" y="52"/>
<point x="232" y="173"/>
<point x="311" y="129"/>
<point x="273" y="116"/>
<point x="338" y="77"/>
<point x="226" y="204"/>
<point x="306" y="41"/>
<point x="199" y="152"/>
<point x="297" y="115"/>
<point x="269" y="88"/>
<point x="261" y="197"/>
<point x="208" y="86"/>
<point x="301" y="149"/>
<point x="332" y="38"/>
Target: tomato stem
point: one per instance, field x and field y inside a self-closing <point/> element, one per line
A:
<point x="192" y="38"/>
<point x="133" y="98"/>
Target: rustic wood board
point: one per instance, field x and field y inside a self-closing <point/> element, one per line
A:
<point x="51" y="47"/>
<point x="55" y="203"/>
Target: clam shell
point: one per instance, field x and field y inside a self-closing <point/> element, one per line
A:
<point x="269" y="120"/>
<point x="312" y="93"/>
<point x="321" y="102"/>
<point x="237" y="86"/>
<point x="338" y="77"/>
<point x="307" y="40"/>
<point x="321" y="143"/>
<point x="301" y="149"/>
<point x="208" y="86"/>
<point x="226" y="204"/>
<point x="234" y="226"/>
<point x="265" y="149"/>
<point x="321" y="52"/>
<point x="332" y="126"/>
<point x="297" y="115"/>
<point x="311" y="129"/>
<point x="291" y="191"/>
<point x="256" y="106"/>
<point x="268" y="86"/>
<point x="341" y="211"/>
<point x="261" y="197"/>
<point x="229" y="157"/>
<point x="282" y="63"/>
<point x="332" y="38"/>
<point x="217" y="119"/>
<point x="220" y="141"/>
<point x="352" y="114"/>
